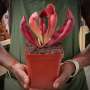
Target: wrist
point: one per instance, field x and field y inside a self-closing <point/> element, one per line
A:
<point x="12" y="65"/>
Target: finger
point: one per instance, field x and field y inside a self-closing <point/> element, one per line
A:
<point x="26" y="69"/>
<point x="63" y="77"/>
<point x="20" y="74"/>
<point x="60" y="82"/>
<point x="61" y="68"/>
<point x="23" y="78"/>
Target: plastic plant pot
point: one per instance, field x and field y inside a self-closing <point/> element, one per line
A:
<point x="43" y="69"/>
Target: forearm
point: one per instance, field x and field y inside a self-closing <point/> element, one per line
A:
<point x="6" y="59"/>
<point x="84" y="57"/>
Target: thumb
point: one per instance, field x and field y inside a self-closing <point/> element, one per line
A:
<point x="60" y="81"/>
<point x="63" y="78"/>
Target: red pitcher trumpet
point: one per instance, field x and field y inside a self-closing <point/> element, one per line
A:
<point x="41" y="33"/>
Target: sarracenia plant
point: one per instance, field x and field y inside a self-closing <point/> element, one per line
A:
<point x="41" y="30"/>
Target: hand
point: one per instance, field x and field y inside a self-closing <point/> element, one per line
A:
<point x="66" y="70"/>
<point x="19" y="70"/>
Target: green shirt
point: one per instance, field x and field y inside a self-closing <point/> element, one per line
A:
<point x="70" y="44"/>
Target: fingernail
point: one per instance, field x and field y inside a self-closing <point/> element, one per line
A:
<point x="25" y="85"/>
<point x="55" y="85"/>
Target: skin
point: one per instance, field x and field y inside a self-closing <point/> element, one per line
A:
<point x="68" y="68"/>
<point x="19" y="70"/>
<point x="83" y="58"/>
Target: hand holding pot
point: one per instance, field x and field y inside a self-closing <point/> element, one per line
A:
<point x="66" y="70"/>
<point x="19" y="70"/>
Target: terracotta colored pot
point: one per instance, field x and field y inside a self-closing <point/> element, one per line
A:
<point x="43" y="69"/>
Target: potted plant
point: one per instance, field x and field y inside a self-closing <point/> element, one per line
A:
<point x="44" y="51"/>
